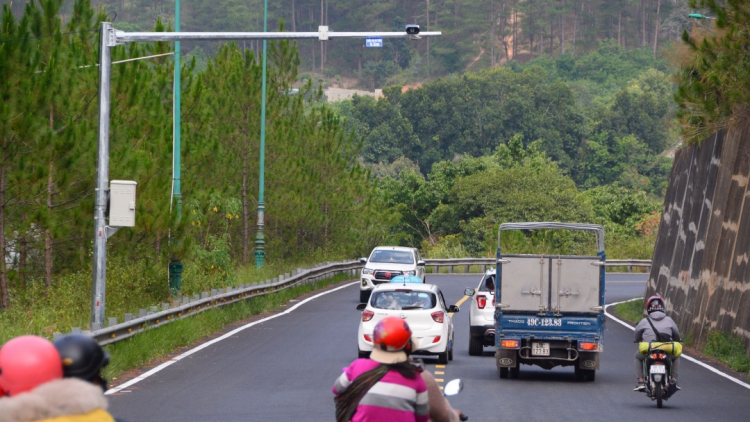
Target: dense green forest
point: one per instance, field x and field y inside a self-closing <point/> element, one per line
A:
<point x="477" y="34"/>
<point x="576" y="126"/>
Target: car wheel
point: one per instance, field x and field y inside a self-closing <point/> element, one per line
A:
<point x="476" y="346"/>
<point x="503" y="372"/>
<point x="364" y="295"/>
<point x="585" y="374"/>
<point x="450" y="352"/>
<point x="443" y="358"/>
<point x="515" y="372"/>
<point x="424" y="280"/>
<point x="363" y="355"/>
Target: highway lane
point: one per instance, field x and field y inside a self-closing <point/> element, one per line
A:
<point x="283" y="369"/>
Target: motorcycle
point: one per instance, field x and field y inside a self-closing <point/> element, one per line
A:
<point x="452" y="388"/>
<point x="658" y="365"/>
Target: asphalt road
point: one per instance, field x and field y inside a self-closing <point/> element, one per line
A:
<point x="283" y="370"/>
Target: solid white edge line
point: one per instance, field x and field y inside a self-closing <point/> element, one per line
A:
<point x="218" y="339"/>
<point x="691" y="359"/>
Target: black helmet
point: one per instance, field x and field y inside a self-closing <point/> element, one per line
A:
<point x="83" y="358"/>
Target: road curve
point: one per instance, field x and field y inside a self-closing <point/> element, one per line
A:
<point x="283" y="369"/>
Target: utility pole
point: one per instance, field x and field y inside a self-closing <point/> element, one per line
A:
<point x="175" y="266"/>
<point x="260" y="241"/>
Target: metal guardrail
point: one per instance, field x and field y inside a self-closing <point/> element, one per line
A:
<point x="189" y="306"/>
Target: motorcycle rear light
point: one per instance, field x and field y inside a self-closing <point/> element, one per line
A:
<point x="436" y="339"/>
<point x="585" y="345"/>
<point x="481" y="302"/>
<point x="368" y="338"/>
<point x="510" y="344"/>
<point x="367" y="315"/>
<point x="438" y="316"/>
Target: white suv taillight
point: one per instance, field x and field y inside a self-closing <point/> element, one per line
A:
<point x="481" y="301"/>
<point x="438" y="316"/>
<point x="367" y="315"/>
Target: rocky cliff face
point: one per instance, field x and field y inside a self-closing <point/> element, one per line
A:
<point x="700" y="262"/>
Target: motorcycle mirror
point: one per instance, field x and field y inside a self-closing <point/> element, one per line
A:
<point x="453" y="387"/>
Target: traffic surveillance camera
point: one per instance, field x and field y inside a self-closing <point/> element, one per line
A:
<point x="412" y="29"/>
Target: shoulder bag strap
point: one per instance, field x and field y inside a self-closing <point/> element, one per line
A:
<point x="656" y="332"/>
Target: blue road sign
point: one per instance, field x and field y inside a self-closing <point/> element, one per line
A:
<point x="374" y="42"/>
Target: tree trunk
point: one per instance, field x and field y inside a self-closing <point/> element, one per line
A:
<point x="322" y="57"/>
<point x="48" y="231"/>
<point x="294" y="17"/>
<point x="312" y="13"/>
<point x="427" y="28"/>
<point x="643" y="23"/>
<point x="492" y="33"/>
<point x="656" y="27"/>
<point x="4" y="300"/>
<point x="245" y="209"/>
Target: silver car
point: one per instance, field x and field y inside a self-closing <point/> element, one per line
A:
<point x="482" y="314"/>
<point x="386" y="262"/>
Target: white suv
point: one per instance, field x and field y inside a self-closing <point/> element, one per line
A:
<point x="482" y="314"/>
<point x="386" y="262"/>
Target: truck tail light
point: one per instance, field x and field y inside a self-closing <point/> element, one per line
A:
<point x="481" y="301"/>
<point x="510" y="344"/>
<point x="367" y="315"/>
<point x="587" y="345"/>
<point x="438" y="316"/>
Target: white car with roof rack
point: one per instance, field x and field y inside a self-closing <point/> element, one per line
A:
<point x="421" y="305"/>
<point x="386" y="262"/>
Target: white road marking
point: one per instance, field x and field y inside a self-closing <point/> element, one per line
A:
<point x="691" y="359"/>
<point x="145" y="375"/>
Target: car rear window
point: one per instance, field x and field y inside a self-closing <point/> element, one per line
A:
<point x="396" y="257"/>
<point x="403" y="300"/>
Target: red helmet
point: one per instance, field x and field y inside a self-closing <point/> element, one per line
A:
<point x="392" y="334"/>
<point x="655" y="303"/>
<point x="27" y="362"/>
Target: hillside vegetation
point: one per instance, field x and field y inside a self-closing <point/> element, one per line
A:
<point x="577" y="134"/>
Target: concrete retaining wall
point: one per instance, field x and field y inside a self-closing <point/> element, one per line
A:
<point x="700" y="262"/>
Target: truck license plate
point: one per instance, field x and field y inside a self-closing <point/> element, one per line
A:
<point x="540" y="349"/>
<point x="658" y="369"/>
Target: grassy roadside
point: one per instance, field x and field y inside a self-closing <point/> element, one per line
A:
<point x="158" y="343"/>
<point x="726" y="348"/>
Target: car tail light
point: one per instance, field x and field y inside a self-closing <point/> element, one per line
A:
<point x="585" y="345"/>
<point x="367" y="315"/>
<point x="368" y="338"/>
<point x="438" y="316"/>
<point x="510" y="344"/>
<point x="481" y="301"/>
<point x="436" y="339"/>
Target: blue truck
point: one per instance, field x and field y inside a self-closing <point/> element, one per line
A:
<point x="549" y="309"/>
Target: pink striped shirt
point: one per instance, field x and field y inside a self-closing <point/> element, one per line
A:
<point x="394" y="398"/>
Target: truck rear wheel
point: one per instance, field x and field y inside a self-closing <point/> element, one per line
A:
<point x="515" y="372"/>
<point x="476" y="346"/>
<point x="503" y="372"/>
<point x="585" y="374"/>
